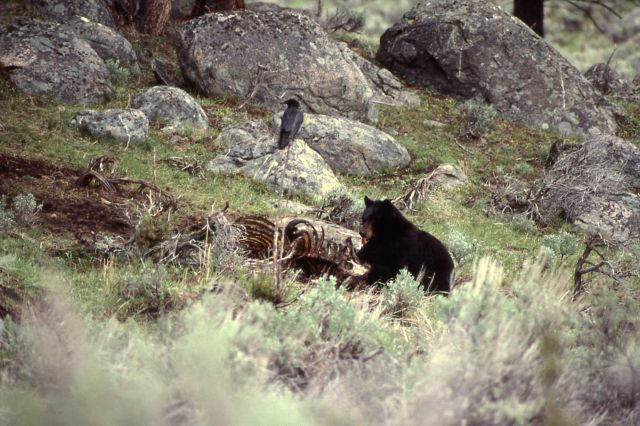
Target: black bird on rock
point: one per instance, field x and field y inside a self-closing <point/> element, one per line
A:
<point x="290" y="124"/>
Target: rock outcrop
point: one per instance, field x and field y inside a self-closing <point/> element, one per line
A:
<point x="348" y="146"/>
<point x="291" y="56"/>
<point x="46" y="59"/>
<point x="596" y="186"/>
<point x="251" y="150"/>
<point x="472" y="48"/>
<point x="171" y="106"/>
<point x="123" y="125"/>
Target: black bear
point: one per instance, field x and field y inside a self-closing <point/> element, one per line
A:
<point x="391" y="242"/>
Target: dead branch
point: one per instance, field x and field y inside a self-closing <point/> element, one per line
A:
<point x="584" y="266"/>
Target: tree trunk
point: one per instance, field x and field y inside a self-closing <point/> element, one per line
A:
<point x="531" y="12"/>
<point x="154" y="16"/>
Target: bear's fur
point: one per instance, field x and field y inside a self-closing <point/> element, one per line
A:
<point x="391" y="242"/>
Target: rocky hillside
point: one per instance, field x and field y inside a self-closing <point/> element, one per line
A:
<point x="142" y="199"/>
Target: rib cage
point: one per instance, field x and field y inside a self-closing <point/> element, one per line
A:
<point x="305" y="246"/>
<point x="257" y="235"/>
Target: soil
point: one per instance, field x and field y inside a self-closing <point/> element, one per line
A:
<point x="66" y="206"/>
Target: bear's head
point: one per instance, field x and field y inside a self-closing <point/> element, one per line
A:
<point x="376" y="218"/>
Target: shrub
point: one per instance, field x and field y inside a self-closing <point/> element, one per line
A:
<point x="119" y="75"/>
<point x="334" y="333"/>
<point x="147" y="291"/>
<point x="225" y="251"/>
<point x="563" y="244"/>
<point x="524" y="169"/>
<point x="402" y="296"/>
<point x="340" y="206"/>
<point x="260" y="285"/>
<point x="461" y="247"/>
<point x="523" y="223"/>
<point x="26" y="209"/>
<point x="477" y="118"/>
<point x="547" y="256"/>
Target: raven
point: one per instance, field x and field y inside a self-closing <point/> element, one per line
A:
<point x="290" y="124"/>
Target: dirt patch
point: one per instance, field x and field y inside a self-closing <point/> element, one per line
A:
<point x="66" y="207"/>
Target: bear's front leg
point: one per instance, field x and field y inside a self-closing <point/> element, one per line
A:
<point x="380" y="273"/>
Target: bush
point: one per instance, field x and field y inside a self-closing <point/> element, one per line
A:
<point x="477" y="118"/>
<point x="523" y="223"/>
<point x="402" y="296"/>
<point x="26" y="209"/>
<point x="260" y="285"/>
<point x="322" y="334"/>
<point x="119" y="75"/>
<point x="461" y="247"/>
<point x="146" y="292"/>
<point x="563" y="244"/>
<point x="341" y="207"/>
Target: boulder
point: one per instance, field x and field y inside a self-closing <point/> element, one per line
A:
<point x="123" y="125"/>
<point x="107" y="43"/>
<point x="449" y="176"/>
<point x="251" y="150"/>
<point x="349" y="146"/>
<point x="387" y="88"/>
<point x="171" y="106"/>
<point x="596" y="186"/>
<point x="45" y="59"/>
<point x="472" y="48"/>
<point x="290" y="56"/>
<point x="67" y="10"/>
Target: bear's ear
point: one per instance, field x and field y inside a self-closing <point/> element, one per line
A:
<point x="367" y="201"/>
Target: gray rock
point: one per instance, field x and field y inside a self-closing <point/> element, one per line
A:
<point x="290" y="55"/>
<point x="449" y="176"/>
<point x="123" y="125"/>
<point x="596" y="187"/>
<point x="349" y="146"/>
<point x="387" y="88"/>
<point x="172" y="106"/>
<point x="107" y="42"/>
<point x="472" y="48"/>
<point x="251" y="150"/>
<point x="45" y="59"/>
<point x="66" y="10"/>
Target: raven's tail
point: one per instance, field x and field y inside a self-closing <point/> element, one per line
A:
<point x="283" y="140"/>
